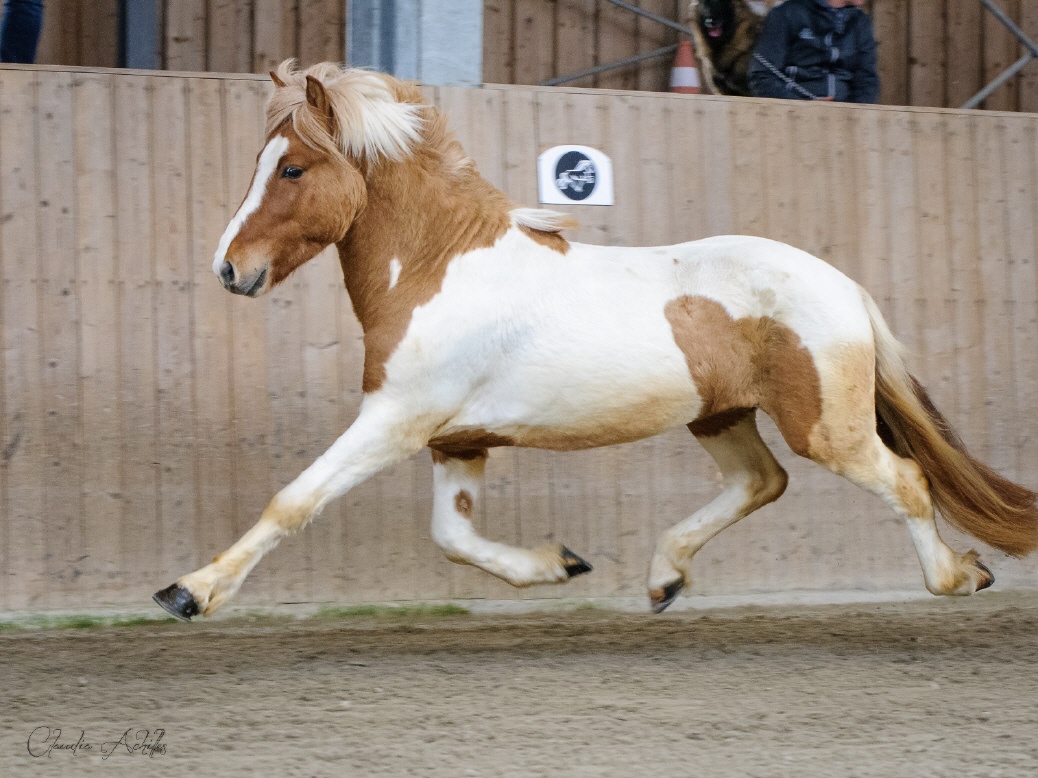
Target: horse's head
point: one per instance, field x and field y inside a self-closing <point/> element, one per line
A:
<point x="325" y="128"/>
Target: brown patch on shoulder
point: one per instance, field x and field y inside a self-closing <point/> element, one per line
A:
<point x="424" y="212"/>
<point x="748" y="363"/>
<point x="552" y="240"/>
<point x="711" y="426"/>
<point x="463" y="503"/>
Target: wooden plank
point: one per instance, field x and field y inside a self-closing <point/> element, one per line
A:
<point x="716" y="155"/>
<point x="322" y="28"/>
<point x="1020" y="194"/>
<point x="964" y="257"/>
<point x="934" y="309"/>
<point x="229" y="38"/>
<point x="691" y="179"/>
<point x="901" y="227"/>
<point x="99" y="34"/>
<point x="964" y="77"/>
<point x="59" y="322"/>
<point x="498" y="42"/>
<point x="185" y="35"/>
<point x="1001" y="49"/>
<point x="814" y="173"/>
<point x="534" y="22"/>
<point x="135" y="245"/>
<point x="177" y="514"/>
<point x="616" y="38"/>
<point x="926" y="65"/>
<point x="998" y="366"/>
<point x="574" y="36"/>
<point x="21" y="434"/>
<point x="276" y="33"/>
<point x="654" y="74"/>
<point x="100" y="399"/>
<point x="890" y="18"/>
<point x="211" y="333"/>
<point x="779" y="167"/>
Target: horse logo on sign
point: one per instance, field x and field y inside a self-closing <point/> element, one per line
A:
<point x="575" y="174"/>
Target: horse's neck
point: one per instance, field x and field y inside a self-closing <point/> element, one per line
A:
<point x="418" y="217"/>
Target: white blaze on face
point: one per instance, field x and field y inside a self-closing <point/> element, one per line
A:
<point x="268" y="163"/>
<point x="394" y="271"/>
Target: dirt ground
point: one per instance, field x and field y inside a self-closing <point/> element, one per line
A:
<point x="930" y="688"/>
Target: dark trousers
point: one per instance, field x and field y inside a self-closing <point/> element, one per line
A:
<point x="20" y="30"/>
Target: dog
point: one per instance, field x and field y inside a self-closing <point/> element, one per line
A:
<point x="724" y="35"/>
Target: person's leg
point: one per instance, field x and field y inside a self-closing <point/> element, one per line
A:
<point x="20" y="30"/>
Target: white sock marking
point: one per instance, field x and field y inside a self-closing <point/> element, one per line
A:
<point x="268" y="163"/>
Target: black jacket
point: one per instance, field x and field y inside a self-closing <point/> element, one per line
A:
<point x="802" y="40"/>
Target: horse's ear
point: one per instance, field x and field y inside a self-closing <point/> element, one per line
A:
<point x="276" y="79"/>
<point x="317" y="98"/>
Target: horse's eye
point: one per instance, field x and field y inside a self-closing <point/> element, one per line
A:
<point x="292" y="172"/>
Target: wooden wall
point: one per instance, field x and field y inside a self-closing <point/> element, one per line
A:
<point x="234" y="36"/>
<point x="146" y="416"/>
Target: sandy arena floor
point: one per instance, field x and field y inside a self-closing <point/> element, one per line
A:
<point x="930" y="688"/>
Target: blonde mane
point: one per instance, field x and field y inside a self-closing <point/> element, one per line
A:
<point x="376" y="116"/>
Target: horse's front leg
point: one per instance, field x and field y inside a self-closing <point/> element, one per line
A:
<point x="374" y="441"/>
<point x="456" y="480"/>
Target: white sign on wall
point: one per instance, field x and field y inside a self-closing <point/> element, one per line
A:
<point x="575" y="175"/>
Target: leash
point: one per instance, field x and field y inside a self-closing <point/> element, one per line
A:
<point x="789" y="82"/>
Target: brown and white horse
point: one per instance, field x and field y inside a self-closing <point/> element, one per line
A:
<point x="484" y="327"/>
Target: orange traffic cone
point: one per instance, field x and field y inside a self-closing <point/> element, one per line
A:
<point x="684" y="76"/>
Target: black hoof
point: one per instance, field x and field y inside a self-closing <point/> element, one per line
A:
<point x="991" y="577"/>
<point x="574" y="565"/>
<point x="662" y="598"/>
<point x="177" y="600"/>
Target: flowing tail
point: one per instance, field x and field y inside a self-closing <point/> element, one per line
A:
<point x="968" y="493"/>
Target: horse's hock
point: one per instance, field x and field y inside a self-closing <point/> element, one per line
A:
<point x="146" y="415"/>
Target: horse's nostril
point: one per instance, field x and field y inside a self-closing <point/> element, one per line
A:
<point x="227" y="273"/>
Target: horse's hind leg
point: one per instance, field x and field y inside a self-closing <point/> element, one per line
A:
<point x="752" y="479"/>
<point x="904" y="488"/>
<point x="845" y="441"/>
<point x="456" y="480"/>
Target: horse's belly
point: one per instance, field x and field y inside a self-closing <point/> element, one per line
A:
<point x="584" y="417"/>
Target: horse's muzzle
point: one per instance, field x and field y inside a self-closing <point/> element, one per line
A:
<point x="250" y="285"/>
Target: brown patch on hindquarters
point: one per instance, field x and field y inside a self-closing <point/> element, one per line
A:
<point x="552" y="240"/>
<point x="746" y="363"/>
<point x="463" y="503"/>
